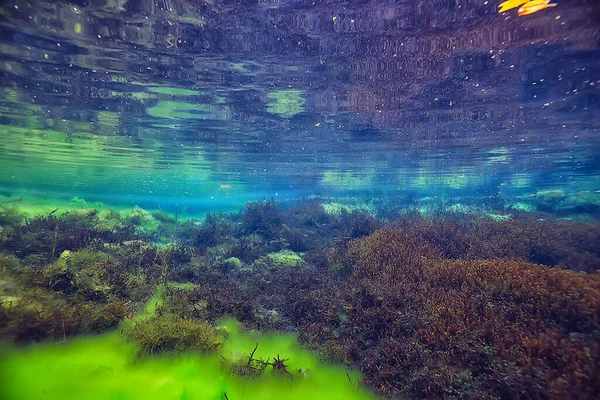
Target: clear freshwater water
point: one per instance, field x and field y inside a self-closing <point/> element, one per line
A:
<point x="320" y="128"/>
<point x="161" y="101"/>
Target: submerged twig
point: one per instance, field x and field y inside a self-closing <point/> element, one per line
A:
<point x="54" y="239"/>
<point x="251" y="358"/>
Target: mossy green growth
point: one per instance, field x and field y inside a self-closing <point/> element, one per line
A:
<point x="142" y="219"/>
<point x="78" y="271"/>
<point x="164" y="333"/>
<point x="520" y="206"/>
<point x="499" y="217"/>
<point x="285" y="258"/>
<point x="461" y="208"/>
<point x="107" y="367"/>
<point x="337" y="209"/>
<point x="10" y="215"/>
<point x="234" y="263"/>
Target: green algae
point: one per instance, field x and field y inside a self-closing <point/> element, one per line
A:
<point x="285" y="258"/>
<point x="107" y="367"/>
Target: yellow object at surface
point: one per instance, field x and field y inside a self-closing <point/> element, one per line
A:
<point x="534" y="6"/>
<point x="510" y="4"/>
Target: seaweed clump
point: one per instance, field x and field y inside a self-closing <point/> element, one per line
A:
<point x="253" y="367"/>
<point x="263" y="218"/>
<point x="160" y="333"/>
<point x="541" y="240"/>
<point x="45" y="238"/>
<point x="423" y="326"/>
<point x="83" y="291"/>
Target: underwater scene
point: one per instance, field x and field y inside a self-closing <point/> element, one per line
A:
<point x="299" y="199"/>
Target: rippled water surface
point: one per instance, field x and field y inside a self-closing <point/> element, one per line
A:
<point x="188" y="100"/>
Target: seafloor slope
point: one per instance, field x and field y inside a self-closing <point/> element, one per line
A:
<point x="438" y="305"/>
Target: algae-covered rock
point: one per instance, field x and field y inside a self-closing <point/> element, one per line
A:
<point x="143" y="219"/>
<point x="521" y="206"/>
<point x="76" y="202"/>
<point x="234" y="263"/>
<point x="461" y="208"/>
<point x="557" y="201"/>
<point x="548" y="200"/>
<point x="10" y="293"/>
<point x="59" y="275"/>
<point x="337" y="209"/>
<point x="110" y="221"/>
<point x="285" y="258"/>
<point x="174" y="333"/>
<point x="79" y="271"/>
<point x="81" y="216"/>
<point x="267" y="317"/>
<point x="10" y="215"/>
<point x="581" y="202"/>
<point x="500" y="217"/>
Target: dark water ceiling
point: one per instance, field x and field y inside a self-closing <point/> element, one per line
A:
<point x="179" y="98"/>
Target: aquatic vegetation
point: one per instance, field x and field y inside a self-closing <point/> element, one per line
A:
<point x="10" y="215"/>
<point x="442" y="305"/>
<point x="82" y="273"/>
<point x="285" y="258"/>
<point x="297" y="239"/>
<point x="162" y="332"/>
<point x="83" y="291"/>
<point x="254" y="367"/>
<point x="49" y="236"/>
<point x="233" y="263"/>
<point x="112" y="221"/>
<point x="263" y="218"/>
<point x="357" y="223"/>
<point x="106" y="366"/>
<point x="388" y="254"/>
<point x="515" y="318"/>
<point x="538" y="238"/>
<point x="34" y="314"/>
<point x="247" y="248"/>
<point x="214" y="230"/>
<point x="562" y="203"/>
<point x="9" y="264"/>
<point x="164" y="217"/>
<point x="307" y="226"/>
<point x="447" y="244"/>
<point x="307" y="214"/>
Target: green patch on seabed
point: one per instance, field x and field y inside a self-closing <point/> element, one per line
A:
<point x="107" y="367"/>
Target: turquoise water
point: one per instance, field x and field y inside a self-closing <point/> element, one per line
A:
<point x="143" y="102"/>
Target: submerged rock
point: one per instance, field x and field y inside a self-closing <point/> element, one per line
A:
<point x="285" y="258"/>
<point x="233" y="263"/>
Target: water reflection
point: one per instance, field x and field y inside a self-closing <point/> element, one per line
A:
<point x="292" y="94"/>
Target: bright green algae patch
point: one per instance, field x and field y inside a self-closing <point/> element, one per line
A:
<point x="107" y="367"/>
